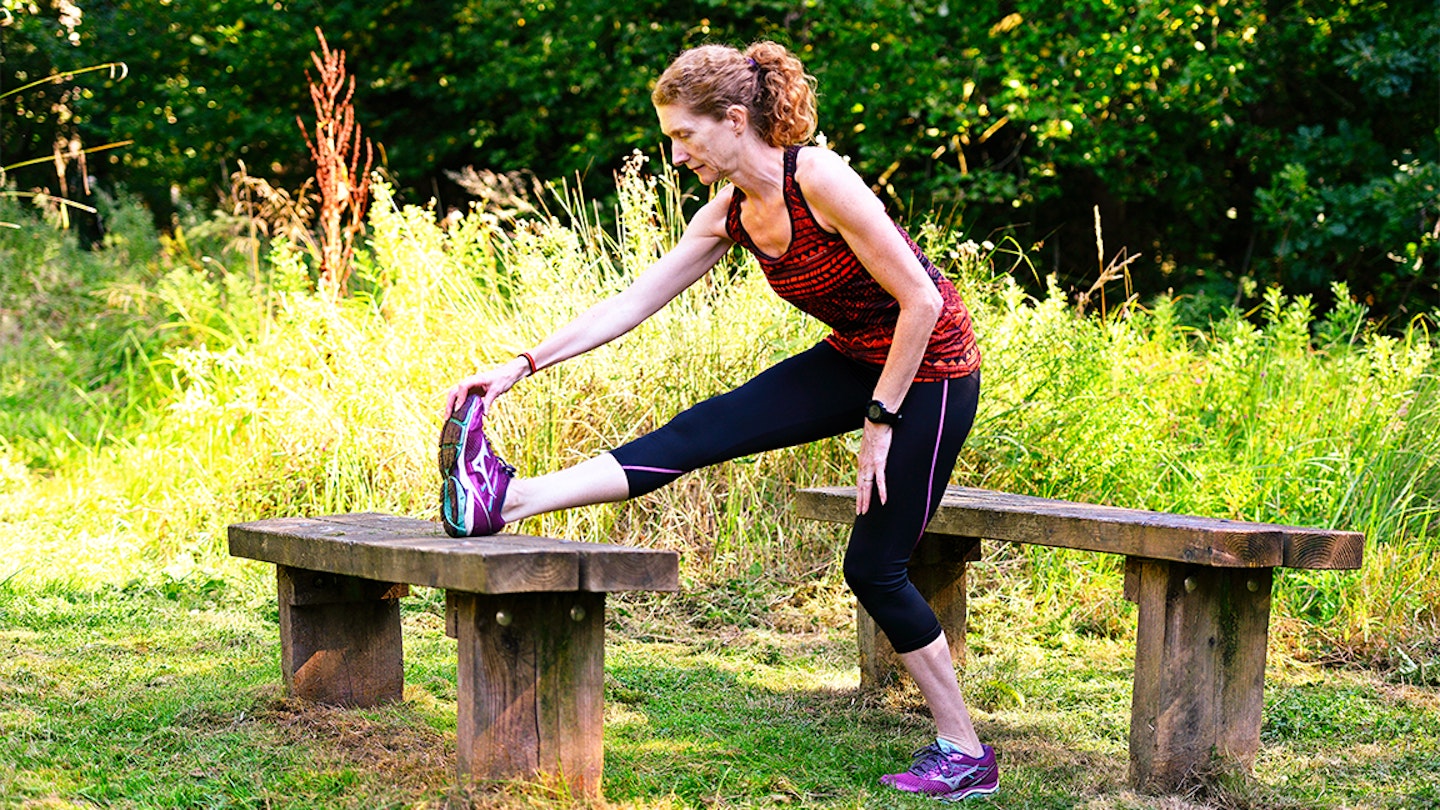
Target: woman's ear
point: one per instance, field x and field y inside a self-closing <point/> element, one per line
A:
<point x="738" y="117"/>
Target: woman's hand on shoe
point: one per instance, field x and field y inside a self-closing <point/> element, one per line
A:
<point x="489" y="384"/>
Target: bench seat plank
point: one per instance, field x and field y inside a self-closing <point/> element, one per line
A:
<point x="1215" y="542"/>
<point x="388" y="548"/>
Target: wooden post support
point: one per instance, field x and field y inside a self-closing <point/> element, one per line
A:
<point x="531" y="686"/>
<point x="340" y="637"/>
<point x="1199" y="669"/>
<point x="938" y="570"/>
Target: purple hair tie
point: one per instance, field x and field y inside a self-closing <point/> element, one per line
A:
<point x="751" y="60"/>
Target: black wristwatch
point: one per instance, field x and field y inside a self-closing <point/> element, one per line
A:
<point x="876" y="413"/>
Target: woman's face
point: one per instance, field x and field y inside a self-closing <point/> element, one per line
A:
<point x="705" y="145"/>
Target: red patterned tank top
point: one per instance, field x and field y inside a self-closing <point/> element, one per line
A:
<point x="823" y="277"/>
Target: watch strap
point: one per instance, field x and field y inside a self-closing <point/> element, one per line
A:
<point x="877" y="412"/>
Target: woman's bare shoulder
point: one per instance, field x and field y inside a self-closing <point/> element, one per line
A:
<point x="835" y="191"/>
<point x="821" y="162"/>
<point x="711" y="216"/>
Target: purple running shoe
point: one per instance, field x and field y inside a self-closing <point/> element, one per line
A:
<point x="475" y="478"/>
<point x="948" y="776"/>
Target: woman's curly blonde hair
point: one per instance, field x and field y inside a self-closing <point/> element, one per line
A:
<point x="765" y="79"/>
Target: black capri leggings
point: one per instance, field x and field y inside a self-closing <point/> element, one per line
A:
<point x="813" y="395"/>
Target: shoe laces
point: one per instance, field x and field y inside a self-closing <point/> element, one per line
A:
<point x="487" y="457"/>
<point x="927" y="759"/>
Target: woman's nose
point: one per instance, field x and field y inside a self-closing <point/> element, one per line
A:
<point x="678" y="156"/>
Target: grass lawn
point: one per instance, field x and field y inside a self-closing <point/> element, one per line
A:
<point x="146" y="699"/>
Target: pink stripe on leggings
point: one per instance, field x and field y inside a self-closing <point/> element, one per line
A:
<point x="652" y="470"/>
<point x="935" y="457"/>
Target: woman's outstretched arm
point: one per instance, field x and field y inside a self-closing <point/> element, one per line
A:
<point x="700" y="247"/>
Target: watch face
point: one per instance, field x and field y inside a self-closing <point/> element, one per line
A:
<point x="874" y="413"/>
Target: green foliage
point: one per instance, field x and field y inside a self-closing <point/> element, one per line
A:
<point x="1212" y="135"/>
<point x="1257" y="423"/>
<point x="1320" y="208"/>
<point x="41" y="45"/>
<point x="169" y="386"/>
<point x="59" y="383"/>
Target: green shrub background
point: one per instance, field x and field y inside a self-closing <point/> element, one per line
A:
<point x="1236" y="145"/>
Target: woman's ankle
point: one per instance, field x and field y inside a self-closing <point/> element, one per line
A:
<point x="970" y="747"/>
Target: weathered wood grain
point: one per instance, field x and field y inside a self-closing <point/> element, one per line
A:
<point x="1199" y="671"/>
<point x="528" y="614"/>
<point x="304" y="587"/>
<point x="531" y="686"/>
<point x="605" y="568"/>
<point x="969" y="512"/>
<point x="417" y="552"/>
<point x="336" y="645"/>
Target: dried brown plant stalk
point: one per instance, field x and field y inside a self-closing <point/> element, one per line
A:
<point x="264" y="212"/>
<point x="1117" y="269"/>
<point x="344" y="186"/>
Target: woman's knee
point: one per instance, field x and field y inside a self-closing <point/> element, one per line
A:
<point x="872" y="581"/>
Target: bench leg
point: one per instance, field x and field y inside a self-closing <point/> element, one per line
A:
<point x="1199" y="669"/>
<point x="938" y="570"/>
<point x="340" y="638"/>
<point x="531" y="686"/>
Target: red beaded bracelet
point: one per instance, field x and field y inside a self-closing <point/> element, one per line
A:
<point x="530" y="359"/>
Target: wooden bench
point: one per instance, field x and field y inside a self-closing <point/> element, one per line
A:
<point x="1202" y="586"/>
<point x="528" y="613"/>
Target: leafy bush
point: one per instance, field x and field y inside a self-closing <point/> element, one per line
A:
<point x="1211" y="135"/>
<point x="1320" y="210"/>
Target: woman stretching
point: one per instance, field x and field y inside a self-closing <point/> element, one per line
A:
<point x="901" y="363"/>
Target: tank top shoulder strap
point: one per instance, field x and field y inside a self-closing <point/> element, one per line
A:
<point x="805" y="229"/>
<point x="802" y="221"/>
<point x="794" y="198"/>
<point x="734" y="228"/>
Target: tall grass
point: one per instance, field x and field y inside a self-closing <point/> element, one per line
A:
<point x="223" y="395"/>
<point x="1293" y="420"/>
